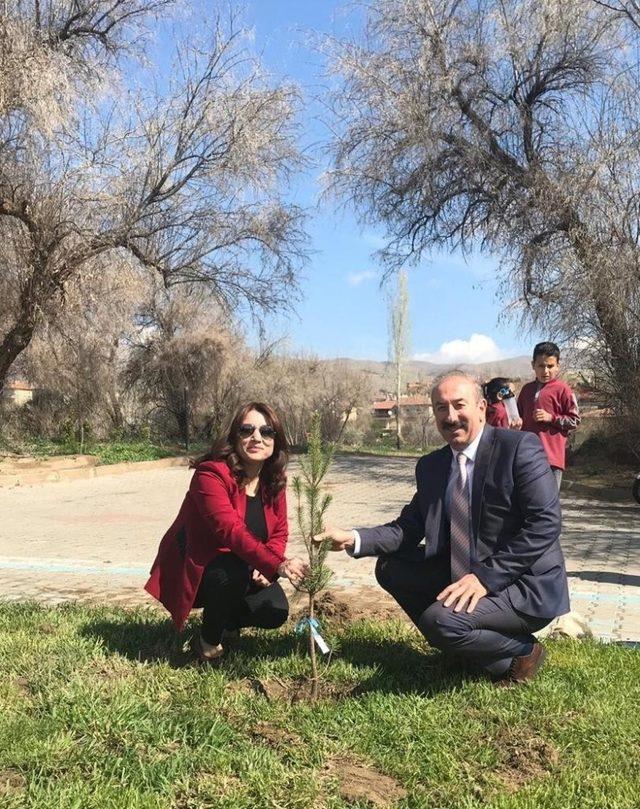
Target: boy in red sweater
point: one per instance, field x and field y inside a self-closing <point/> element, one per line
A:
<point x="549" y="407"/>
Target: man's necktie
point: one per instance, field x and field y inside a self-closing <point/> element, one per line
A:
<point x="460" y="540"/>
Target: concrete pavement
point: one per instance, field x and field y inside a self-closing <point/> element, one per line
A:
<point x="95" y="538"/>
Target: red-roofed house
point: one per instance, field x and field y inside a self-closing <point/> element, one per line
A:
<point x="384" y="409"/>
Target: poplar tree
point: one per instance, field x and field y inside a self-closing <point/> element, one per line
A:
<point x="399" y="328"/>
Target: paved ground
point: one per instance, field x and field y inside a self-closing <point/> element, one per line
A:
<point x="95" y="539"/>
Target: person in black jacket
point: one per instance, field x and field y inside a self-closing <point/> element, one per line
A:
<point x="491" y="571"/>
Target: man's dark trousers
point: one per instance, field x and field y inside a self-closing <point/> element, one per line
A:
<point x="489" y="637"/>
<point x="515" y="552"/>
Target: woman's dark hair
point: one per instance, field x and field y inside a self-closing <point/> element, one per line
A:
<point x="273" y="474"/>
<point x="491" y="388"/>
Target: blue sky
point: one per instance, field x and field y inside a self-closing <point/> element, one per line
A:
<point x="453" y="303"/>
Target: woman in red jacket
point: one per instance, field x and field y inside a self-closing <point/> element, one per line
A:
<point x="227" y="545"/>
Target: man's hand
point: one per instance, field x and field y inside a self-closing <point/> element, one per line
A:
<point x="515" y="424"/>
<point x="542" y="415"/>
<point x="469" y="589"/>
<point x="340" y="539"/>
<point x="294" y="569"/>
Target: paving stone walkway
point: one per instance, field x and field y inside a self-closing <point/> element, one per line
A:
<point x="95" y="539"/>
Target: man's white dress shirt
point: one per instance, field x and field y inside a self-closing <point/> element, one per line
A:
<point x="470" y="452"/>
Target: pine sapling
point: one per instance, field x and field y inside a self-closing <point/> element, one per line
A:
<point x="311" y="505"/>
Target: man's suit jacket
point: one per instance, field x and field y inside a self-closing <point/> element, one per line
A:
<point x="515" y="521"/>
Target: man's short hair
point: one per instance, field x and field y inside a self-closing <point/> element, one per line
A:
<point x="546" y="349"/>
<point x="477" y="387"/>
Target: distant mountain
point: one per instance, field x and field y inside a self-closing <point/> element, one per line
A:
<point x="381" y="373"/>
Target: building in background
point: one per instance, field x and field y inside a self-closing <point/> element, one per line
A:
<point x="17" y="392"/>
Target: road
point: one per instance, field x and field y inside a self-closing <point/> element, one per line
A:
<point x="95" y="538"/>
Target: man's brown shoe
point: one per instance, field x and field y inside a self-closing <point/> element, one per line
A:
<point x="525" y="667"/>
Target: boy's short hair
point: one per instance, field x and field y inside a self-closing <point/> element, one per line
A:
<point x="546" y="349"/>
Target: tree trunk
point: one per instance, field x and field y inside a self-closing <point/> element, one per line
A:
<point x="116" y="414"/>
<point x="14" y="343"/>
<point x="609" y="304"/>
<point x="34" y="294"/>
<point x="185" y="393"/>
<point x="312" y="651"/>
<point x="344" y="424"/>
<point x="398" y="416"/>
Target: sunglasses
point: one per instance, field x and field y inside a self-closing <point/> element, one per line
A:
<point x="265" y="430"/>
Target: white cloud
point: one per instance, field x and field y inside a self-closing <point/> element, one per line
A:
<point x="354" y="279"/>
<point x="478" y="348"/>
<point x="580" y="350"/>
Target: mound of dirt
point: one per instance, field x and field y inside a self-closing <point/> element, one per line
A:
<point x="11" y="782"/>
<point x="331" y="607"/>
<point x="298" y="689"/>
<point x="525" y="758"/>
<point x="342" y="606"/>
<point x="358" y="782"/>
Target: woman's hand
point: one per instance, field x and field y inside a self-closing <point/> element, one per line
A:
<point x="259" y="580"/>
<point x="294" y="569"/>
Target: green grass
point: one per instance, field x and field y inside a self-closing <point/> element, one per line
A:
<point x="100" y="707"/>
<point x="108" y="452"/>
<point x="119" y="451"/>
<point x="385" y="450"/>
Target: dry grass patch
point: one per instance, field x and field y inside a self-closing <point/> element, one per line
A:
<point x="526" y="757"/>
<point x="11" y="782"/>
<point x="360" y="782"/>
<point x="298" y="689"/>
<point x="274" y="735"/>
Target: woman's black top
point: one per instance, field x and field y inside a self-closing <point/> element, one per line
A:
<point x="254" y="518"/>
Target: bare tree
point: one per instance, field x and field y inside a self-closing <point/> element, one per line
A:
<point x="185" y="183"/>
<point x="79" y="354"/>
<point x="186" y="364"/>
<point x="511" y="125"/>
<point x="627" y="8"/>
<point x="300" y="386"/>
<point x="399" y="337"/>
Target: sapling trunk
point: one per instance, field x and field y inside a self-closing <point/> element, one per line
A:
<point x="312" y="650"/>
<point x="311" y="506"/>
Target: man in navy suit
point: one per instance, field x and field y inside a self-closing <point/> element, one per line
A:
<point x="491" y="571"/>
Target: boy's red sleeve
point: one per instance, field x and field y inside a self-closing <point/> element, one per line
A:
<point x="569" y="416"/>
